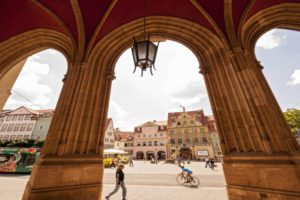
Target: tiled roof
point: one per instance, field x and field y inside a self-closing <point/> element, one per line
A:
<point x="108" y="120"/>
<point x="51" y="111"/>
<point x="120" y="135"/>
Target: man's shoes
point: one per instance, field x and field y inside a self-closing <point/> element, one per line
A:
<point x="107" y="198"/>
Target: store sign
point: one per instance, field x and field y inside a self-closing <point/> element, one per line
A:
<point x="202" y="153"/>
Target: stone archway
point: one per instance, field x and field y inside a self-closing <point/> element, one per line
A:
<point x="150" y="155"/>
<point x="139" y="155"/>
<point x="161" y="155"/>
<point x="185" y="153"/>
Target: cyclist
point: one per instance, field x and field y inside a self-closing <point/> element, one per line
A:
<point x="188" y="173"/>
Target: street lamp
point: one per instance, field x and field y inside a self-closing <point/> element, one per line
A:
<point x="144" y="52"/>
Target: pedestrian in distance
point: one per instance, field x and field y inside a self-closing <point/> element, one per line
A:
<point x="212" y="164"/>
<point x="119" y="183"/>
<point x="207" y="162"/>
<point x="130" y="161"/>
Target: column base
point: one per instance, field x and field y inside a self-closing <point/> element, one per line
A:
<point x="244" y="193"/>
<point x="65" y="178"/>
<point x="275" y="177"/>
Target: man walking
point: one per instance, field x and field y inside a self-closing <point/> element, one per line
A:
<point x="130" y="161"/>
<point x="207" y="162"/>
<point x="119" y="182"/>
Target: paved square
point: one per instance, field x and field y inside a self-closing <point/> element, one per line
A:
<point x="144" y="181"/>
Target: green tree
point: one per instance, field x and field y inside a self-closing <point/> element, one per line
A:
<point x="38" y="143"/>
<point x="292" y="117"/>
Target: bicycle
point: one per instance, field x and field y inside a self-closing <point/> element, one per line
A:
<point x="192" y="180"/>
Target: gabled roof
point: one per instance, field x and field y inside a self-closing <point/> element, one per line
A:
<point x="108" y="120"/>
<point x="35" y="112"/>
<point x="197" y="114"/>
<point x="120" y="135"/>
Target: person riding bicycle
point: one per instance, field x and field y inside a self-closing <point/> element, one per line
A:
<point x="188" y="173"/>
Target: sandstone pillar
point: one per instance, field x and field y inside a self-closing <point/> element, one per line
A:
<point x="261" y="156"/>
<point x="70" y="164"/>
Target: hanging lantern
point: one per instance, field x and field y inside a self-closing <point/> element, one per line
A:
<point x="144" y="54"/>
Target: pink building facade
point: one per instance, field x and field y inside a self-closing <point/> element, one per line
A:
<point x="150" y="140"/>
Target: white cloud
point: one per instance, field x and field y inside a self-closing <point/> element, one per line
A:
<point x="270" y="40"/>
<point x="28" y="89"/>
<point x="295" y="78"/>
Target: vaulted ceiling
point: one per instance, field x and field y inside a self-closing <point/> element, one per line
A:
<point x="90" y="20"/>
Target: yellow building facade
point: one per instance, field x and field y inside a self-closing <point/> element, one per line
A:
<point x="188" y="136"/>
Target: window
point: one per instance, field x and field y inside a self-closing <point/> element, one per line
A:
<point x="162" y="144"/>
<point x="172" y="131"/>
<point x="179" y="141"/>
<point x="10" y="127"/>
<point x="194" y="130"/>
<point x="178" y="131"/>
<point x="139" y="135"/>
<point x="186" y="130"/>
<point x="125" y="144"/>
<point x="1" y="136"/>
<point x="204" y="139"/>
<point x="25" y="136"/>
<point x="8" y="118"/>
<point x="29" y="127"/>
<point x="155" y="143"/>
<point x="27" y="117"/>
<point x="5" y="137"/>
<point x="202" y="130"/>
<point x="30" y="159"/>
<point x="155" y="135"/>
<point x="13" y="137"/>
<point x="23" y="127"/>
<point x="196" y="140"/>
<point x="178" y="123"/>
<point x="172" y="141"/>
<point x="173" y="120"/>
<point x="19" y="137"/>
<point x="144" y="144"/>
<point x="161" y="134"/>
<point x="138" y="144"/>
<point x="15" y="117"/>
<point x="4" y="127"/>
<point x="192" y="122"/>
<point x="187" y="140"/>
<point x="149" y="135"/>
<point x="144" y="135"/>
<point x="150" y="143"/>
<point x="17" y="126"/>
<point x="184" y="123"/>
<point x="21" y="117"/>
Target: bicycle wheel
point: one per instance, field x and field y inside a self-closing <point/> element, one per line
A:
<point x="195" y="181"/>
<point x="180" y="179"/>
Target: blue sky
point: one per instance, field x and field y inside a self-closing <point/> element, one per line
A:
<point x="135" y="99"/>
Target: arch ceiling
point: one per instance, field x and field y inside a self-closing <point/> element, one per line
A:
<point x="87" y="21"/>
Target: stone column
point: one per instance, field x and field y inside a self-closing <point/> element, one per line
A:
<point x="261" y="156"/>
<point x="70" y="165"/>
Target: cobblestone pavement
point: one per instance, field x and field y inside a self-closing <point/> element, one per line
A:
<point x="144" y="181"/>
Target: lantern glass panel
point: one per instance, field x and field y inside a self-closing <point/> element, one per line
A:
<point x="133" y="49"/>
<point x="142" y="50"/>
<point x="152" y="51"/>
